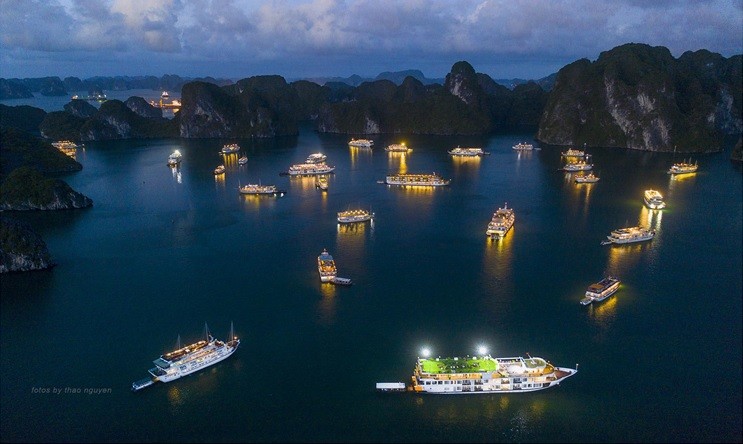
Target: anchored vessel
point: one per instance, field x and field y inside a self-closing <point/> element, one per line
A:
<point x="485" y="374"/>
<point x="361" y="143"/>
<point x="683" y="167"/>
<point x="467" y="152"/>
<point x="242" y="160"/>
<point x="629" y="235"/>
<point x="501" y="222"/>
<point x="351" y="216"/>
<point x="586" y="178"/>
<point x="309" y="169"/>
<point x="66" y="146"/>
<point x="578" y="166"/>
<point x="230" y="148"/>
<point x="417" y="180"/>
<point x="654" y="200"/>
<point x="175" y="158"/>
<point x="397" y="148"/>
<point x="523" y="146"/>
<point x="260" y="189"/>
<point x="316" y="158"/>
<point x="326" y="266"/>
<point x="321" y="182"/>
<point x="189" y="359"/>
<point x="219" y="170"/>
<point x="573" y="153"/>
<point x="601" y="290"/>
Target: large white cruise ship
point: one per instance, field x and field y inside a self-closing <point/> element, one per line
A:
<point x="501" y="222"/>
<point x="309" y="169"/>
<point x="361" y="143"/>
<point x="352" y="216"/>
<point x="189" y="359"/>
<point x="467" y="152"/>
<point x="397" y="148"/>
<point x="416" y="180"/>
<point x="326" y="267"/>
<point x="485" y="374"/>
<point x="629" y="235"/>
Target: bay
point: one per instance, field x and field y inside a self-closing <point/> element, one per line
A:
<point x="163" y="251"/>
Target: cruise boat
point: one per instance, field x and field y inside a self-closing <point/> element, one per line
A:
<point x="654" y="200"/>
<point x="361" y="143"/>
<point x="326" y="266"/>
<point x="321" y="182"/>
<point x="502" y="221"/>
<point x="242" y="160"/>
<point x="578" y="166"/>
<point x="189" y="359"/>
<point x="523" y="146"/>
<point x="175" y="158"/>
<point x="309" y="169"/>
<point x="586" y="178"/>
<point x="351" y="216"/>
<point x="485" y="374"/>
<point x="165" y="95"/>
<point x="467" y="152"/>
<point x="316" y="158"/>
<point x="683" y="167"/>
<point x="66" y="146"/>
<point x="230" y="148"/>
<point x="397" y="148"/>
<point x="629" y="235"/>
<point x="601" y="290"/>
<point x="416" y="180"/>
<point x="258" y="189"/>
<point x="219" y="170"/>
<point x="573" y="153"/>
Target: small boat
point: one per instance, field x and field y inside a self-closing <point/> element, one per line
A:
<point x="502" y="221"/>
<point x="600" y="290"/>
<point x="219" y="170"/>
<point x="326" y="266"/>
<point x="321" y="182"/>
<point x="352" y="216"/>
<point x="629" y="235"/>
<point x="175" y="158"/>
<point x="258" y="189"/>
<point x="397" y="148"/>
<point x="341" y="281"/>
<point x="578" y="166"/>
<point x="654" y="200"/>
<point x="523" y="146"/>
<point x="230" y="148"/>
<point x="586" y="178"/>
<point x="242" y="160"/>
<point x="683" y="167"/>
<point x="165" y="95"/>
<point x="467" y="152"/>
<point x="361" y="143"/>
<point x="316" y="158"/>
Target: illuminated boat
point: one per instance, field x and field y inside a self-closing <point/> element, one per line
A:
<point x="683" y="168"/>
<point x="523" y="146"/>
<point x="573" y="153"/>
<point x="321" y="182"/>
<point x="485" y="374"/>
<point x="586" y="178"/>
<point x="351" y="216"/>
<point x="189" y="359"/>
<point x="397" y="148"/>
<point x="242" y="160"/>
<point x="467" y="152"/>
<point x="326" y="266"/>
<point x="66" y="146"/>
<point x="260" y="189"/>
<point x="601" y="290"/>
<point x="417" y="180"/>
<point x="578" y="166"/>
<point x="230" y="148"/>
<point x="316" y="158"/>
<point x="219" y="170"/>
<point x="629" y="235"/>
<point x="361" y="143"/>
<point x="309" y="169"/>
<point x="654" y="200"/>
<point x="175" y="158"/>
<point x="502" y="221"/>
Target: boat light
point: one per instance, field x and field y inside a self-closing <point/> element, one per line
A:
<point x="482" y="350"/>
<point x="426" y="352"/>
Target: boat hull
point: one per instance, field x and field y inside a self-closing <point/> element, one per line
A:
<point x="180" y="370"/>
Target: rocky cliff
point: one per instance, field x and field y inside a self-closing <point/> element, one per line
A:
<point x="640" y="97"/>
<point x="21" y="149"/>
<point x="21" y="249"/>
<point x="27" y="189"/>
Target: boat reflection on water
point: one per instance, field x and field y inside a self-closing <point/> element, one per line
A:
<point x="176" y="171"/>
<point x="326" y="306"/>
<point x="604" y="314"/>
<point x="466" y="167"/>
<point x="219" y="181"/>
<point x="359" y="154"/>
<point x="497" y="272"/>
<point x="230" y="160"/>
<point x="397" y="161"/>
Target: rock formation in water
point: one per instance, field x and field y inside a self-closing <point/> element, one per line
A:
<point x="640" y="97"/>
<point x="21" y="149"/>
<point x="80" y="108"/>
<point x="21" y="249"/>
<point x="27" y="189"/>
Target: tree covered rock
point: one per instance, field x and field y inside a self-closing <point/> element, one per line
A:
<point x="27" y="189"/>
<point x="21" y="249"/>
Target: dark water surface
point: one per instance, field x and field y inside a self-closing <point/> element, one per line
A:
<point x="163" y="251"/>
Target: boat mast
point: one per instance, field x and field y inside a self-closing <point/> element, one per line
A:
<point x="232" y="331"/>
<point x="206" y="331"/>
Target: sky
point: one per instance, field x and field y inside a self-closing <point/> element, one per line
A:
<point x="236" y="39"/>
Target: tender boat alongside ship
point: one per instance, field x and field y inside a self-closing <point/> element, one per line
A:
<point x="361" y="143"/>
<point x="483" y="374"/>
<point x="397" y="148"/>
<point x="230" y="148"/>
<point x="586" y="178"/>
<point x="683" y="168"/>
<point x="654" y="200"/>
<point x="189" y="359"/>
<point x="601" y="290"/>
<point x="629" y="235"/>
<point x="502" y="221"/>
<point x="467" y="152"/>
<point x="326" y="266"/>
<point x="416" y="180"/>
<point x="353" y="216"/>
<point x="523" y="146"/>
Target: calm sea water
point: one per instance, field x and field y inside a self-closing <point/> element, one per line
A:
<point x="163" y="251"/>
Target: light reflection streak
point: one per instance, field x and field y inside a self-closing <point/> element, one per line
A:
<point x="176" y="171"/>
<point x="498" y="270"/>
<point x="466" y="166"/>
<point x="326" y="306"/>
<point x="604" y="313"/>
<point x="356" y="152"/>
<point x="397" y="161"/>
